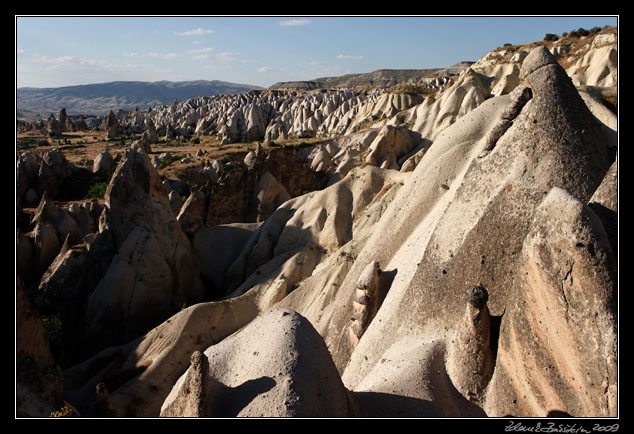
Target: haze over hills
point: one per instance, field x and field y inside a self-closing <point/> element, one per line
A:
<point x="100" y="98"/>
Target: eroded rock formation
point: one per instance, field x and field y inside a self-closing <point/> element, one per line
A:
<point x="456" y="259"/>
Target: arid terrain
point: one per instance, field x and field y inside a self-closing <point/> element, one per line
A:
<point x="442" y="247"/>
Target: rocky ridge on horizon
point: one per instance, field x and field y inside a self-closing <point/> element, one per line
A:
<point x="378" y="78"/>
<point x="445" y="255"/>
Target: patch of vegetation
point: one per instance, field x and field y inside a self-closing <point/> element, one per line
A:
<point x="53" y="329"/>
<point x="551" y="37"/>
<point x="412" y="89"/>
<point x="174" y="144"/>
<point x="98" y="190"/>
<point x="31" y="142"/>
<point x="583" y="32"/>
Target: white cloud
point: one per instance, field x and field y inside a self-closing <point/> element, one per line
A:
<point x="52" y="60"/>
<point x="293" y="22"/>
<point x="349" y="57"/>
<point x="194" y="32"/>
<point x="130" y="54"/>
<point x="200" y="57"/>
<point x="200" y="51"/>
<point x="155" y="55"/>
<point x="227" y="56"/>
<point x="70" y="70"/>
<point x="264" y="69"/>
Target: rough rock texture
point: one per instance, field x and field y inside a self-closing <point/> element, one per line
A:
<point x="435" y="114"/>
<point x="277" y="366"/>
<point x="66" y="286"/>
<point x="54" y="169"/>
<point x="558" y="338"/>
<point x="39" y="379"/>
<point x="470" y="272"/>
<point x="268" y="195"/>
<point x="390" y="144"/>
<point x="604" y="203"/>
<point x="213" y="261"/>
<point x="470" y="359"/>
<point x="140" y="374"/>
<point x="476" y="221"/>
<point x="111" y="125"/>
<point x="153" y="265"/>
<point x="598" y="67"/>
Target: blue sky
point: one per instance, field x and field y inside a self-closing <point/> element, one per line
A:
<point x="58" y="51"/>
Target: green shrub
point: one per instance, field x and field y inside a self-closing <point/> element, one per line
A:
<point x="551" y="37"/>
<point x="26" y="143"/>
<point x="98" y="190"/>
<point x="412" y="89"/>
<point x="53" y="328"/>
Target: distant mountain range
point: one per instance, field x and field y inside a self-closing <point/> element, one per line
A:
<point x="100" y="98"/>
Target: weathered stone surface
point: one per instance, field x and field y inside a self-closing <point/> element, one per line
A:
<point x="390" y="144"/>
<point x="558" y="335"/>
<point x="54" y="169"/>
<point x="477" y="233"/>
<point x="277" y="366"/>
<point x="111" y="125"/>
<point x="192" y="214"/>
<point x="153" y="265"/>
<point x="604" y="203"/>
<point x="154" y="361"/>
<point x="268" y="195"/>
<point x="470" y="358"/>
<point x="39" y="389"/>
<point x="504" y="189"/>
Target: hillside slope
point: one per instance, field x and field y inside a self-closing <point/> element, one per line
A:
<point x="100" y="98"/>
<point x="380" y="78"/>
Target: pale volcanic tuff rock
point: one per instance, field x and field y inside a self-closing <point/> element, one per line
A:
<point x="54" y="170"/>
<point x="140" y="374"/>
<point x="558" y="334"/>
<point x="486" y="241"/>
<point x="277" y="366"/>
<point x="484" y="218"/>
<point x="52" y="228"/>
<point x="153" y="265"/>
<point x="310" y="236"/>
<point x="599" y="65"/>
<point x="386" y="106"/>
<point x="268" y="115"/>
<point x="111" y="125"/>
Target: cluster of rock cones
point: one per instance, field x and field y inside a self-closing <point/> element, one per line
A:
<point x="478" y="280"/>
